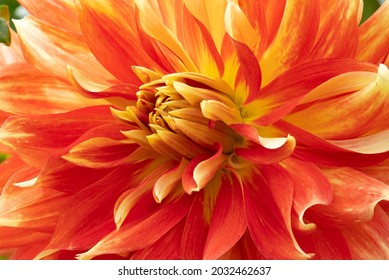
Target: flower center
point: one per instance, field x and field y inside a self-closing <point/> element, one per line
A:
<point x="175" y="115"/>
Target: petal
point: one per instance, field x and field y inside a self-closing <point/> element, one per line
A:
<point x="60" y="13"/>
<point x="371" y="144"/>
<point x="268" y="207"/>
<point x="11" y="54"/>
<point x="203" y="135"/>
<point x="216" y="110"/>
<point x="379" y="171"/>
<point x="21" y="85"/>
<point x="100" y="152"/>
<point x="166" y="248"/>
<point x="282" y="95"/>
<point x="61" y="175"/>
<point x="94" y="207"/>
<point x="228" y="222"/>
<point x="347" y="116"/>
<point x="188" y="183"/>
<point x="373" y="36"/>
<point x="110" y="30"/>
<point x="28" y="252"/>
<point x="240" y="29"/>
<point x="249" y="76"/>
<point x="195" y="230"/>
<point x="211" y="15"/>
<point x="341" y="84"/>
<point x="168" y="181"/>
<point x="324" y="153"/>
<point x="258" y="153"/>
<point x="326" y="244"/>
<point x="51" y="49"/>
<point x="143" y="233"/>
<point x="161" y="33"/>
<point x="294" y="39"/>
<point x="131" y="198"/>
<point x="205" y="171"/>
<point x="369" y="241"/>
<point x="198" y="44"/>
<point x="338" y="20"/>
<point x="355" y="195"/>
<point x="27" y="206"/>
<point x="180" y="143"/>
<point x="94" y="90"/>
<point x="35" y="138"/>
<point x="8" y="167"/>
<point x="12" y="237"/>
<point x="311" y="187"/>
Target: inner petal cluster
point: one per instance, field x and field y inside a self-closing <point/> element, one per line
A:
<point x="177" y="114"/>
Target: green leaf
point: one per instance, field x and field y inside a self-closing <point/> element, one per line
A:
<point x="3" y="157"/>
<point x="5" y="34"/>
<point x="369" y="7"/>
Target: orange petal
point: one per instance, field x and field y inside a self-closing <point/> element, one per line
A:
<point x="216" y="110"/>
<point x="324" y="153"/>
<point x="284" y="93"/>
<point x="21" y="84"/>
<point x="35" y="138"/>
<point x="160" y="32"/>
<point x="110" y="29"/>
<point x="326" y="244"/>
<point x="205" y="171"/>
<point x="59" y="174"/>
<point x="211" y="15"/>
<point x="94" y="207"/>
<point x="17" y="237"/>
<point x="180" y="143"/>
<point x="143" y="233"/>
<point x="347" y="116"/>
<point x="24" y="205"/>
<point x="60" y="13"/>
<point x="294" y="39"/>
<point x="228" y="222"/>
<point x="131" y="198"/>
<point x="239" y="27"/>
<point x="341" y="84"/>
<point x="371" y="144"/>
<point x="11" y="54"/>
<point x="197" y="225"/>
<point x="51" y="49"/>
<point x="195" y="95"/>
<point x="379" y="171"/>
<point x="369" y="241"/>
<point x="168" y="181"/>
<point x="249" y="76"/>
<point x="311" y="187"/>
<point x="165" y="248"/>
<point x="198" y="44"/>
<point x="202" y="134"/>
<point x="259" y="153"/>
<point x="355" y="195"/>
<point x="8" y="167"/>
<point x="92" y="89"/>
<point x="373" y="36"/>
<point x="100" y="152"/>
<point x="267" y="207"/>
<point x="338" y="20"/>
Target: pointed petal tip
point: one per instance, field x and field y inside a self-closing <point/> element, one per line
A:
<point x="84" y="256"/>
<point x="383" y="77"/>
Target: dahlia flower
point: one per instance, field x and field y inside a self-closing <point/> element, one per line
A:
<point x="209" y="129"/>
